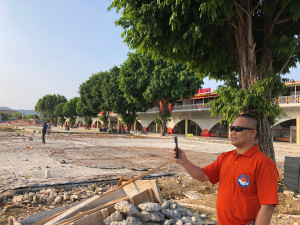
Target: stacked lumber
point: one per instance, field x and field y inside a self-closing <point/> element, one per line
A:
<point x="94" y="210"/>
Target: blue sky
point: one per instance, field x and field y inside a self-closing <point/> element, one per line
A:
<point x="52" y="46"/>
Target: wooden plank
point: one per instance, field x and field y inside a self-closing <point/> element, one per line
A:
<point x="107" y="211"/>
<point x="49" y="218"/>
<point x="80" y="207"/>
<point x="82" y="214"/>
<point x="106" y="197"/>
<point x="292" y="159"/>
<point x="291" y="170"/>
<point x="151" y="194"/>
<point x="141" y="185"/>
<point x="34" y="219"/>
<point x="140" y="198"/>
<point x="92" y="219"/>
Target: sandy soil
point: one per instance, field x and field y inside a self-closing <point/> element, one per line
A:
<point x="81" y="157"/>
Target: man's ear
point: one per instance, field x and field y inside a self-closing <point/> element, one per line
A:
<point x="254" y="133"/>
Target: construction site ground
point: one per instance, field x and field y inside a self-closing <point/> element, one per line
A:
<point x="80" y="156"/>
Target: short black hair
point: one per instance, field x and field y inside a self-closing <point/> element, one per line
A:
<point x="250" y="117"/>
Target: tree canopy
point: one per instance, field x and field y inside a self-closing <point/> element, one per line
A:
<point x="151" y="82"/>
<point x="47" y="105"/>
<point x="70" y="110"/>
<point x="237" y="41"/>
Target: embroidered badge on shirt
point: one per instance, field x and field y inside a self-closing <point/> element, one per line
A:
<point x="243" y="181"/>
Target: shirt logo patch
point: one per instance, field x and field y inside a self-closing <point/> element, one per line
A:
<point x="243" y="181"/>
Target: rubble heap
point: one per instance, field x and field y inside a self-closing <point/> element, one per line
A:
<point x="167" y="213"/>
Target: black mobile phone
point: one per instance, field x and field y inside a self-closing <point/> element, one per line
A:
<point x="176" y="146"/>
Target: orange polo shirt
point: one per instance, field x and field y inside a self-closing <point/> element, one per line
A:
<point x="246" y="181"/>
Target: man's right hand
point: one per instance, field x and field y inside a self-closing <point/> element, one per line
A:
<point x="181" y="156"/>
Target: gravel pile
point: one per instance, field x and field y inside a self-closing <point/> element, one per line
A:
<point x="167" y="213"/>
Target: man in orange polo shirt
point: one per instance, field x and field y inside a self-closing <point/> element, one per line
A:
<point x="248" y="179"/>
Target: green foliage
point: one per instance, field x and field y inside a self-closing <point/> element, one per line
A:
<point x="160" y="117"/>
<point x="3" y="116"/>
<point x="233" y="101"/>
<point x="146" y="82"/>
<point x="59" y="111"/>
<point x="91" y="93"/>
<point x="46" y="106"/>
<point x="88" y="121"/>
<point x="114" y="98"/>
<point x="17" y="115"/>
<point x="69" y="109"/>
<point x="201" y="33"/>
<point x="28" y="117"/>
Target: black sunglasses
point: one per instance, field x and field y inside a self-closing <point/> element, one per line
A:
<point x="239" y="129"/>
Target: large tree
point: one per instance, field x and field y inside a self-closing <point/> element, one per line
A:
<point x="157" y="83"/>
<point x="115" y="100"/>
<point x="70" y="110"/>
<point x="84" y="111"/>
<point x="246" y="43"/>
<point x="47" y="105"/>
<point x="91" y="96"/>
<point x="59" y="112"/>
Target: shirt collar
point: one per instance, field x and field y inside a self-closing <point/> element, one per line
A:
<point x="250" y="151"/>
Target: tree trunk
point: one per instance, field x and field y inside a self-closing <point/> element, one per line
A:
<point x="105" y="115"/>
<point x="264" y="140"/>
<point x="164" y="112"/>
<point x="247" y="63"/>
<point x="245" y="45"/>
<point x="129" y="125"/>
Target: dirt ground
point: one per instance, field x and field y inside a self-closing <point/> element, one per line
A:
<point x="90" y="156"/>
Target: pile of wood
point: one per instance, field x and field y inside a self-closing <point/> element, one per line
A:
<point x="94" y="210"/>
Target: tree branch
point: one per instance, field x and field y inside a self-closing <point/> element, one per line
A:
<point x="292" y="53"/>
<point x="235" y="26"/>
<point x="241" y="18"/>
<point x="278" y="15"/>
<point x="283" y="20"/>
<point x="238" y="5"/>
<point x="259" y="4"/>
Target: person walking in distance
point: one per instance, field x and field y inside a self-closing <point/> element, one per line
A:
<point x="248" y="179"/>
<point x="44" y="131"/>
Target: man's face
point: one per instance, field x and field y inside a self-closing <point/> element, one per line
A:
<point x="245" y="137"/>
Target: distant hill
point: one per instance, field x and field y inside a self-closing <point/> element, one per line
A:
<point x="4" y="108"/>
<point x="26" y="112"/>
<point x="22" y="111"/>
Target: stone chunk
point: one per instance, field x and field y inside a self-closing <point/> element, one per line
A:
<point x="289" y="193"/>
<point x="18" y="198"/>
<point x="150" y="207"/>
<point x="116" y="216"/>
<point x="151" y="216"/>
<point x="171" y="214"/>
<point x="133" y="220"/>
<point x="126" y="207"/>
<point x="57" y="200"/>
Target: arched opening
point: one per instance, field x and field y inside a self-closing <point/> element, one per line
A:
<point x="285" y="131"/>
<point x="152" y="128"/>
<point x="139" y="126"/>
<point x="220" y="130"/>
<point x="193" y="128"/>
<point x="97" y="124"/>
<point x="80" y="124"/>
